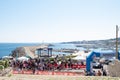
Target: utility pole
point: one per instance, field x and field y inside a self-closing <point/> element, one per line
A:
<point x="116" y="41"/>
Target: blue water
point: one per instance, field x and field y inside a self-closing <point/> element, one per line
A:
<point x="67" y="46"/>
<point x="7" y="48"/>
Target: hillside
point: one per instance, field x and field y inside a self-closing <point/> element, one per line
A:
<point x="108" y="43"/>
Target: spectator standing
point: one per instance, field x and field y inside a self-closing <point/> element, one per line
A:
<point x="93" y="73"/>
<point x="104" y="73"/>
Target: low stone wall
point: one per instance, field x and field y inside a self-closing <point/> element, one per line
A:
<point x="114" y="69"/>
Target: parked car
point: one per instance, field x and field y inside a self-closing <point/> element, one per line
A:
<point x="96" y="65"/>
<point x="107" y="62"/>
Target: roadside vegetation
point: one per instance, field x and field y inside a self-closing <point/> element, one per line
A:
<point x="4" y="64"/>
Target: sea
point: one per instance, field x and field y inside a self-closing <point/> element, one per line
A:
<point x="7" y="48"/>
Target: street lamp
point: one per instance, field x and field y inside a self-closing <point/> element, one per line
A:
<point x="117" y="42"/>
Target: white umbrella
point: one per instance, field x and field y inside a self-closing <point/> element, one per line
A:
<point x="22" y="58"/>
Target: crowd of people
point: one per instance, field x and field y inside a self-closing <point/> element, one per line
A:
<point x="43" y="64"/>
<point x="96" y="73"/>
<point x="46" y="64"/>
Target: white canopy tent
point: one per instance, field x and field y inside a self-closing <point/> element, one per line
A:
<point x="78" y="53"/>
<point x="23" y="58"/>
<point x="7" y="57"/>
<point x="79" y="58"/>
<point x="81" y="53"/>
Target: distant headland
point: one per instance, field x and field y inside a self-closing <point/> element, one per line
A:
<point x="108" y="44"/>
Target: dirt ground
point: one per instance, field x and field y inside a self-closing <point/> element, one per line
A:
<point x="54" y="77"/>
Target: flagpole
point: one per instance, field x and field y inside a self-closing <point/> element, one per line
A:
<point x="116" y="41"/>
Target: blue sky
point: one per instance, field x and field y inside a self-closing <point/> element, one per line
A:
<point x="58" y="20"/>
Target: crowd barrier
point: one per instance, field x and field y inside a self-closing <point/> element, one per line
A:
<point x="50" y="73"/>
<point x="78" y="66"/>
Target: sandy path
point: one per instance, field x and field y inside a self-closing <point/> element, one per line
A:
<point x="54" y="77"/>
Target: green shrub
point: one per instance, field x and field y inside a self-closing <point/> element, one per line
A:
<point x="5" y="63"/>
<point x="70" y="56"/>
<point x="51" y="59"/>
<point x="2" y="62"/>
<point x="1" y="67"/>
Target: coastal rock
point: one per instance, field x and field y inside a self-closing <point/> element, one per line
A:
<point x="20" y="51"/>
<point x="27" y="51"/>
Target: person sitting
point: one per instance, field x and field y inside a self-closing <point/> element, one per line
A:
<point x="99" y="73"/>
